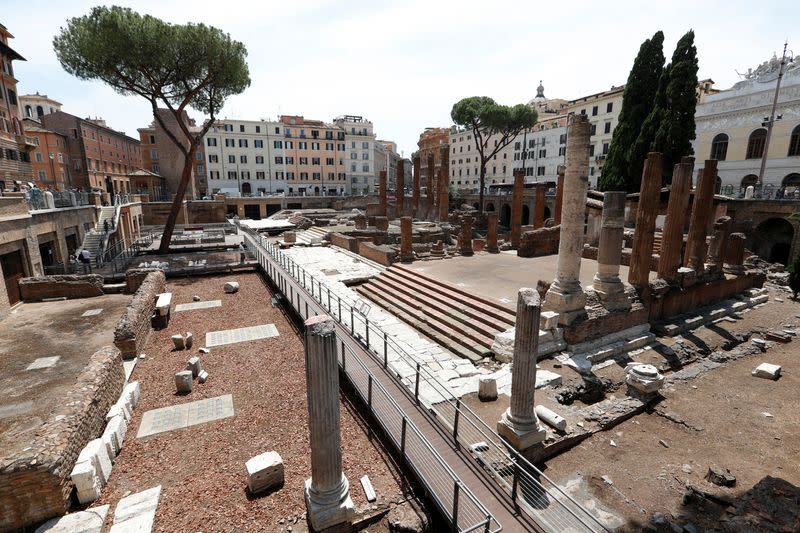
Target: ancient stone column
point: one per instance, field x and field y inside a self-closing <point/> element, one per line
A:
<point x="718" y="245"/>
<point x="383" y="184"/>
<point x="519" y="424"/>
<point x="559" y="195"/>
<point x="415" y="185"/>
<point x="406" y="248"/>
<point x="606" y="282"/>
<point x="672" y="237"/>
<point x="429" y="190"/>
<point x="516" y="206"/>
<point x="702" y="210"/>
<point x="466" y="236"/>
<point x="491" y="233"/>
<point x="538" y="208"/>
<point x="734" y="255"/>
<point x="327" y="492"/>
<point x="566" y="295"/>
<point x="442" y="191"/>
<point x="400" y="190"/>
<point x="646" y="212"/>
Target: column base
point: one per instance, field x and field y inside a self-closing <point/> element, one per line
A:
<point x="493" y="249"/>
<point x="612" y="294"/>
<point x="569" y="301"/>
<point x="407" y="258"/>
<point x="327" y="510"/>
<point x="520" y="438"/>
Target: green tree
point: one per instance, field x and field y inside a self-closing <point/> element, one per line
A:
<point x="794" y="276"/>
<point x="645" y="141"/>
<point x="637" y="101"/>
<point x="493" y="127"/>
<point x="170" y="65"/>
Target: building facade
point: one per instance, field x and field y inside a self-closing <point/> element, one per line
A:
<point x="432" y="141"/>
<point x="360" y="165"/>
<point x="15" y="145"/>
<point x="386" y="158"/>
<point x="101" y="157"/>
<point x="50" y="159"/>
<point x="37" y="105"/>
<point x="541" y="150"/>
<point x="465" y="163"/>
<point x="731" y="128"/>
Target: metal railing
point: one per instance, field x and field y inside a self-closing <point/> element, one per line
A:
<point x="37" y="200"/>
<point x="457" y="502"/>
<point x="527" y="486"/>
<point x="117" y="256"/>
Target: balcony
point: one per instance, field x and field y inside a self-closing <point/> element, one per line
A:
<point x="27" y="140"/>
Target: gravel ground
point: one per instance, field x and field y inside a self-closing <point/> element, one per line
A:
<point x="201" y="469"/>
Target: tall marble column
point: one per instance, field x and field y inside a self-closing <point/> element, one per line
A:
<point x="519" y="425"/>
<point x="672" y="236"/>
<point x="491" y="233"/>
<point x="327" y="492"/>
<point x="406" y="247"/>
<point x="430" y="179"/>
<point x="382" y="198"/>
<point x="400" y="189"/>
<point x="443" y="192"/>
<point x="565" y="294"/>
<point x="517" y="198"/>
<point x="646" y="212"/>
<point x="718" y="245"/>
<point x="415" y="185"/>
<point x="466" y="235"/>
<point x="702" y="210"/>
<point x="559" y="194"/>
<point x="606" y="282"/>
<point x="538" y="208"/>
<point x="734" y="255"/>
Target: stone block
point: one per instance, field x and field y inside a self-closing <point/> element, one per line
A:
<point x="88" y="521"/>
<point x="97" y="453"/>
<point x="133" y="391"/>
<point x="87" y="482"/>
<point x="369" y="490"/>
<point x="644" y="378"/>
<point x="183" y="381"/>
<point x="124" y="409"/>
<point x="117" y="427"/>
<point x="178" y="341"/>
<point x="115" y="410"/>
<point x="487" y="389"/>
<point x="195" y="298"/>
<point x="110" y="442"/>
<point x="548" y="320"/>
<point x="163" y="303"/>
<point x="188" y="339"/>
<point x="231" y="287"/>
<point x="551" y="418"/>
<point x="137" y="512"/>
<point x="202" y="377"/>
<point x="767" y="371"/>
<point x="264" y="472"/>
<point x="195" y="366"/>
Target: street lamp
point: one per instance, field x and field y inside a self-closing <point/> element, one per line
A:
<point x="770" y="121"/>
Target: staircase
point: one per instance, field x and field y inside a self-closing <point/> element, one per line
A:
<point x="312" y="235"/>
<point x="93" y="240"/>
<point x="457" y="320"/>
<point x="657" y="237"/>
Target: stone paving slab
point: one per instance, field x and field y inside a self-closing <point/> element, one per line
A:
<point x="231" y="336"/>
<point x="185" y="415"/>
<point x="44" y="362"/>
<point x="198" y="305"/>
<point x="88" y="521"/>
<point x="137" y="512"/>
<point x="92" y="312"/>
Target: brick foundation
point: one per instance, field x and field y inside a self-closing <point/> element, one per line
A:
<point x="133" y="328"/>
<point x="542" y="241"/>
<point x="35" y="483"/>
<point x="63" y="286"/>
<point x="382" y="254"/>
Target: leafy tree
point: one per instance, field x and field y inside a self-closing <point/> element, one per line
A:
<point x="170" y="65"/>
<point x="794" y="276"/>
<point x="489" y="121"/>
<point x="637" y="101"/>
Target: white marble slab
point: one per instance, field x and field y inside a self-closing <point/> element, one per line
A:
<point x="198" y="305"/>
<point x="185" y="415"/>
<point x="231" y="336"/>
<point x="44" y="362"/>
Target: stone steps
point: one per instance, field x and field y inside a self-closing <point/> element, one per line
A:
<point x="311" y="236"/>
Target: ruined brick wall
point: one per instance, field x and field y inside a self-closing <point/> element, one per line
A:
<point x="133" y="328"/>
<point x="205" y="211"/>
<point x="344" y="241"/>
<point x="66" y="286"/>
<point x="680" y="300"/>
<point x="35" y="484"/>
<point x="382" y="254"/>
<point x="542" y="241"/>
<point x="134" y="278"/>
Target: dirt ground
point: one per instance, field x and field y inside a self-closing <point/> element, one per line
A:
<point x="47" y="329"/>
<point x="201" y="469"/>
<point x="725" y="417"/>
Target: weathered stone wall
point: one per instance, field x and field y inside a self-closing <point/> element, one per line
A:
<point x="35" y="484"/>
<point x="134" y="278"/>
<point x="382" y="254"/>
<point x="67" y="286"/>
<point x="542" y="241"/>
<point x="205" y="211"/>
<point x="344" y="241"/>
<point x="133" y="328"/>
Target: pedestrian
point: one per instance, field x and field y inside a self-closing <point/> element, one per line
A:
<point x="105" y="225"/>
<point x="242" y="252"/>
<point x="85" y="258"/>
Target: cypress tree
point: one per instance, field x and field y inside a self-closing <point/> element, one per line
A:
<point x="637" y="101"/>
<point x="676" y="129"/>
<point x="647" y="134"/>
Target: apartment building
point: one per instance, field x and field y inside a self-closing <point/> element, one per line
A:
<point x="359" y="143"/>
<point x="37" y="105"/>
<point x="50" y="159"/>
<point x="386" y="158"/>
<point x="101" y="157"/>
<point x="465" y="162"/>
<point x="15" y="145"/>
<point x="541" y="149"/>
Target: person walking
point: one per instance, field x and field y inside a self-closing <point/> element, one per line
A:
<point x="242" y="252"/>
<point x="105" y="225"/>
<point x="85" y="258"/>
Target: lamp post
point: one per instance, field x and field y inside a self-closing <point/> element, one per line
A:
<point x="771" y="121"/>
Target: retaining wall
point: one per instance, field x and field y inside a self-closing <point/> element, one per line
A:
<point x="61" y="286"/>
<point x="382" y="254"/>
<point x="133" y="328"/>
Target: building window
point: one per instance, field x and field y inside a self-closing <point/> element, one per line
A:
<point x="242" y="143"/>
<point x="277" y="144"/>
<point x="211" y="141"/>
<point x="154" y="154"/>
<point x="365" y="168"/>
<point x="365" y="156"/>
<point x="540" y="171"/>
<point x="316" y="176"/>
<point x="154" y="168"/>
<point x="543" y="153"/>
<point x="38" y="157"/>
<point x="328" y="160"/>
<point x="562" y="150"/>
<point x="259" y="175"/>
<point x="199" y="169"/>
<point x="365" y="145"/>
<point x="60" y="157"/>
<point x="591" y="150"/>
<point x="259" y="159"/>
<point x="607" y="128"/>
<point x="42" y="175"/>
<point x="229" y="143"/>
<point x="304" y="175"/>
<point x="794" y="142"/>
<point x="609" y="107"/>
<point x="214" y="174"/>
<point x="755" y="146"/>
<point x="231" y="159"/>
<point x="302" y="145"/>
<point x="303" y="160"/>
<point x="241" y="128"/>
<point x="315" y="146"/>
<point x="593" y="129"/>
<point x="315" y="160"/>
<point x="258" y="143"/>
<point x="719" y="147"/>
<point x="213" y="158"/>
<point x="605" y="148"/>
<point x="228" y="127"/>
<point x="243" y="159"/>
<point x="290" y="160"/>
<point x="232" y="175"/>
<point x="594" y="111"/>
<point x="562" y="139"/>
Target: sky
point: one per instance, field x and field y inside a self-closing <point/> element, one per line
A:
<point x="403" y="65"/>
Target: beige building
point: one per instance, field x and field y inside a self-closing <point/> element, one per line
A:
<point x="37" y="105"/>
<point x="731" y="127"/>
<point x="465" y="162"/>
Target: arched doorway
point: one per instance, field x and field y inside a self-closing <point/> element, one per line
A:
<point x="772" y="240"/>
<point x="791" y="180"/>
<point x="246" y="189"/>
<point x="505" y="216"/>
<point x="477" y="206"/>
<point x="490" y="207"/>
<point x="316" y="191"/>
<point x="750" y="179"/>
<point x="547" y="213"/>
<point x="526" y="215"/>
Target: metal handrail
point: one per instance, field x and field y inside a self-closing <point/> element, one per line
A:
<point x="523" y="471"/>
<point x="373" y="385"/>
